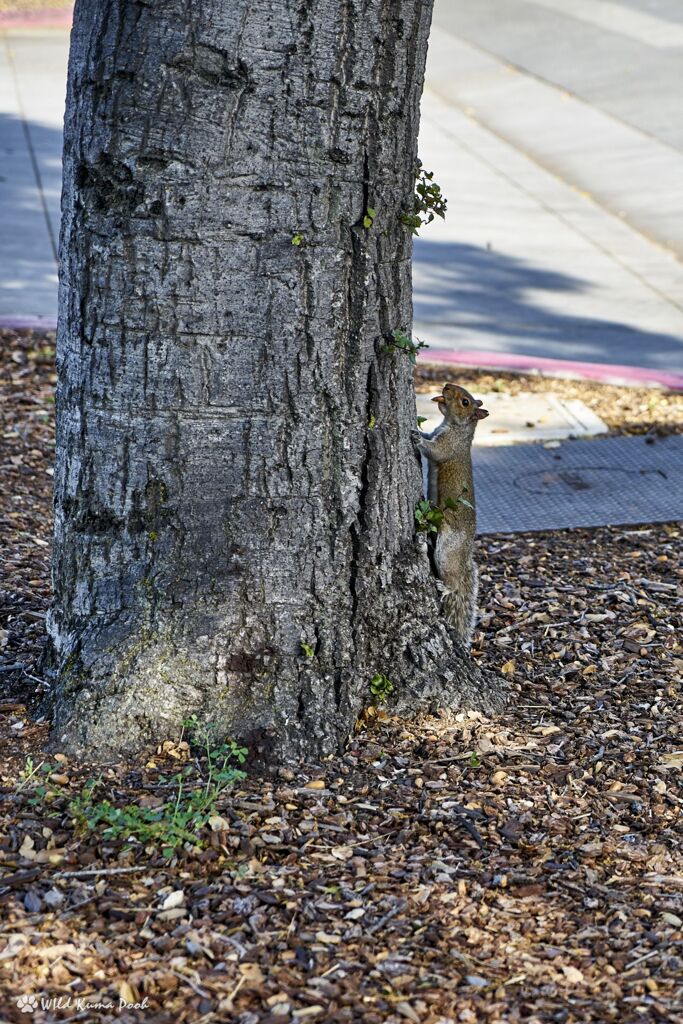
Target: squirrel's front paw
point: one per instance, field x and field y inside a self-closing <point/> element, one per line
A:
<point x="416" y="437"/>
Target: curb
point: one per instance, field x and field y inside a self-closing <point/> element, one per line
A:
<point x="33" y="323"/>
<point x="605" y="373"/>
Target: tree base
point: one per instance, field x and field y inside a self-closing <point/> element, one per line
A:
<point x="281" y="705"/>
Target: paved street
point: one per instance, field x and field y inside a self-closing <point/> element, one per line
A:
<point x="557" y="138"/>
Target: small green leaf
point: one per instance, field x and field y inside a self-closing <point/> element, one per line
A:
<point x="307" y="649"/>
<point x="297" y="239"/>
<point x="428" y="516"/>
<point x="369" y="217"/>
<point x="428" y="201"/>
<point x="402" y="343"/>
<point x="421" y="420"/>
<point x="371" y="423"/>
<point x="381" y="687"/>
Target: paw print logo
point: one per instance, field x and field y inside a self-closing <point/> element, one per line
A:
<point x="27" y="1004"/>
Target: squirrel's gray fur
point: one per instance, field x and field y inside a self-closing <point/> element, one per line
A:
<point x="448" y="450"/>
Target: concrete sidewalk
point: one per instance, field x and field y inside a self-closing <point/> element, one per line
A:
<point x="32" y="90"/>
<point x="618" y="150"/>
<point x="557" y="147"/>
<point x="526" y="265"/>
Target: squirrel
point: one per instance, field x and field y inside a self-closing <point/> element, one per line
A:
<point x="449" y="452"/>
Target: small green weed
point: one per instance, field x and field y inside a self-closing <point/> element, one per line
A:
<point x="369" y="217"/>
<point x="297" y="239"/>
<point x="196" y="790"/>
<point x="428" y="201"/>
<point x="307" y="649"/>
<point x="42" y="791"/>
<point x="428" y="516"/>
<point x="381" y="687"/>
<point x="28" y="773"/>
<point x="400" y="342"/>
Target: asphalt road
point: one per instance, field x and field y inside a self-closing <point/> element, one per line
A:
<point x="624" y="57"/>
<point x="592" y="90"/>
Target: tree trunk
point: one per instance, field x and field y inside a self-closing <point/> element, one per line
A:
<point x="235" y="474"/>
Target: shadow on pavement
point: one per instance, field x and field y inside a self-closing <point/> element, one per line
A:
<point x="469" y="293"/>
<point x="30" y="187"/>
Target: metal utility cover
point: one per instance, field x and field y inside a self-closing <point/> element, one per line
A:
<point x="617" y="480"/>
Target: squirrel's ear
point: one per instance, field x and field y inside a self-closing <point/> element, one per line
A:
<point x="478" y="402"/>
<point x="438" y="398"/>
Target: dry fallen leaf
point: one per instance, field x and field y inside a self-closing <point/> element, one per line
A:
<point x="218" y="824"/>
<point x="26" y="850"/>
<point x="173" y="900"/>
<point x="251" y="973"/>
<point x="126" y="993"/>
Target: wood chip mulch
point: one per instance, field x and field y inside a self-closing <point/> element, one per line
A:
<point x="450" y="870"/>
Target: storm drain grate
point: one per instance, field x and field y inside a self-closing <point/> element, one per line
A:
<point x="614" y="481"/>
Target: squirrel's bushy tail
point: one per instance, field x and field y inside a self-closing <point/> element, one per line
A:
<point x="460" y="606"/>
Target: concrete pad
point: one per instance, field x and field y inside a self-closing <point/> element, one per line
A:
<point x="40" y="61"/>
<point x="607" y="482"/>
<point x="523" y="418"/>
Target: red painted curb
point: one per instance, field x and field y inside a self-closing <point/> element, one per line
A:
<point x="607" y="373"/>
<point x="58" y="18"/>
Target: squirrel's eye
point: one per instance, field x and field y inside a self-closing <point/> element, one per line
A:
<point x="465" y="401"/>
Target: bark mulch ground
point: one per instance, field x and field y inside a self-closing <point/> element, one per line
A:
<point x="451" y="870"/>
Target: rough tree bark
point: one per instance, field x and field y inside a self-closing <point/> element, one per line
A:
<point x="235" y="473"/>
